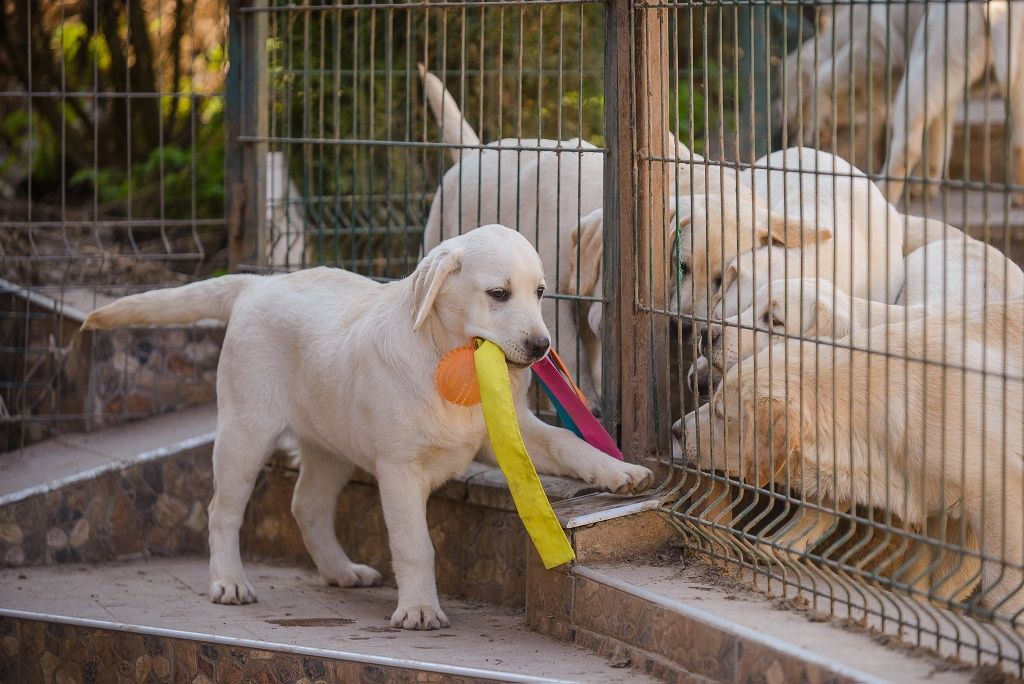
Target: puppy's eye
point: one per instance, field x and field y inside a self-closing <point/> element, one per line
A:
<point x="684" y="270"/>
<point x="540" y="292"/>
<point x="718" y="283"/>
<point x="499" y="293"/>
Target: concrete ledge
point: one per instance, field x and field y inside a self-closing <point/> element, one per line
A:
<point x="102" y="651"/>
<point x="677" y="618"/>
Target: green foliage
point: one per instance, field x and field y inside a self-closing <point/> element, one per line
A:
<point x="157" y="153"/>
<point x="168" y="181"/>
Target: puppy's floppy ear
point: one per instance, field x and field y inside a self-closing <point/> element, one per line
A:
<point x="586" y="254"/>
<point x="787" y="231"/>
<point x="828" y="323"/>
<point x="680" y="210"/>
<point x="774" y="433"/>
<point x="429" y="277"/>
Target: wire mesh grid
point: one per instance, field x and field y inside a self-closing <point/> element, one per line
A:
<point x="847" y="316"/>
<point x="391" y="127"/>
<point x="111" y="181"/>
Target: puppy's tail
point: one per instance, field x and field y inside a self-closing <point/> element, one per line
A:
<point x="212" y="298"/>
<point x="455" y="130"/>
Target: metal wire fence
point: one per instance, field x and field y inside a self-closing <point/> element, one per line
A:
<point x="849" y="314"/>
<point x="111" y="181"/>
<point x="820" y="344"/>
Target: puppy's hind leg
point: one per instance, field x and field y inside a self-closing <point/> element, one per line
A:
<point x="322" y="476"/>
<point x="1002" y="547"/>
<point x="1007" y="34"/>
<point x="239" y="453"/>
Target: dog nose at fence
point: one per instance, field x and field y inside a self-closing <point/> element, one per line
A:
<point x="537" y="346"/>
<point x="714" y="334"/>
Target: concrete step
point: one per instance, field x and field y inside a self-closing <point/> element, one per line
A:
<point x="979" y="151"/>
<point x="987" y="216"/>
<point x="635" y="595"/>
<point x="151" y="621"/>
<point x="708" y="622"/>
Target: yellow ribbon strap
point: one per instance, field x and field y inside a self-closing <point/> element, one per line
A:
<point x="503" y="429"/>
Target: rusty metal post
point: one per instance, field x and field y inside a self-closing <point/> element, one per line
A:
<point x="637" y="243"/>
<point x="245" y="113"/>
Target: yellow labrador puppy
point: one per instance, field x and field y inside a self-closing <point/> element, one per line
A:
<point x="859" y="244"/>
<point x="344" y="367"/>
<point x="939" y="435"/>
<point x="941" y="276"/>
<point x="712" y="229"/>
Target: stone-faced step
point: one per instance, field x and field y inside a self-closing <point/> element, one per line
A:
<point x="151" y="620"/>
<point x="152" y="502"/>
<point x="70" y="381"/>
<point x="666" y="615"/>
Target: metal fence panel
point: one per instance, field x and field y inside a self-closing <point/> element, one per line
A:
<point x="111" y="181"/>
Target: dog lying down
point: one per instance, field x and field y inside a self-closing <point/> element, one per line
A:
<point x="941" y="277"/>
<point x="859" y="427"/>
<point x="343" y="366"/>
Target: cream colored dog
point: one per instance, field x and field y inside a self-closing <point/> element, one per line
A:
<point x="941" y="276"/>
<point x="542" y="191"/>
<point x="344" y="367"/>
<point x="712" y="229"/>
<point x="939" y="436"/>
<point x="853" y="86"/>
<point x="953" y="47"/>
<point x="859" y="244"/>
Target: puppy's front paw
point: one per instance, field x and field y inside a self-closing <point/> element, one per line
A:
<point x="234" y="591"/>
<point x="626" y="479"/>
<point x="419" y="617"/>
<point x="352" y="575"/>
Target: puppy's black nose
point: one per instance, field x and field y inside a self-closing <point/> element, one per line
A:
<point x="703" y="390"/>
<point x="537" y="346"/>
<point x="677" y="430"/>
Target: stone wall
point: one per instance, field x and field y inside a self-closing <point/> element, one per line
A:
<point x="139" y="372"/>
<point x="57" y="380"/>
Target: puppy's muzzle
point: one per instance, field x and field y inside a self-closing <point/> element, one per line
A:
<point x="536" y="346"/>
<point x="699" y="378"/>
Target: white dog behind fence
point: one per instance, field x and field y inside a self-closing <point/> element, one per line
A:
<point x="344" y="367"/>
<point x="954" y="45"/>
<point x="940" y="277"/>
<point x="858" y="427"/>
<point x="860" y="235"/>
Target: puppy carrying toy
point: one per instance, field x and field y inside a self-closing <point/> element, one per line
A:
<point x="467" y="377"/>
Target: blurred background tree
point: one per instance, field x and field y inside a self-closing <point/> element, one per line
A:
<point x="125" y="106"/>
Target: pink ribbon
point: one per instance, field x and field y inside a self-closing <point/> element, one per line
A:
<point x="589" y="427"/>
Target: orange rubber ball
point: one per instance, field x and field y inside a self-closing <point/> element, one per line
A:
<point x="455" y="377"/>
